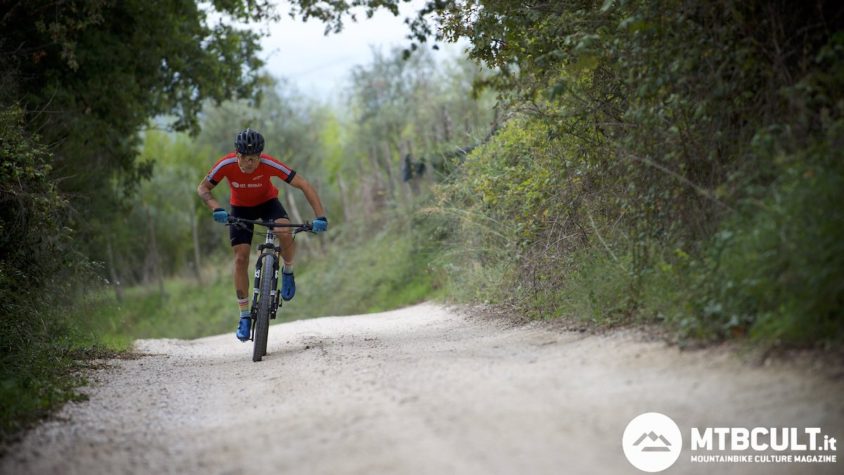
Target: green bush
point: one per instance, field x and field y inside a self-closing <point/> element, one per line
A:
<point x="39" y="269"/>
<point x="665" y="166"/>
<point x="777" y="268"/>
<point x="380" y="270"/>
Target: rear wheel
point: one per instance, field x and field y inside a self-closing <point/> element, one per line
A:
<point x="265" y="301"/>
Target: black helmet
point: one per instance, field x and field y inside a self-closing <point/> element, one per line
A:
<point x="249" y="142"/>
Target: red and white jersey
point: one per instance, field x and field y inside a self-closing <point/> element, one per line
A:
<point x="253" y="188"/>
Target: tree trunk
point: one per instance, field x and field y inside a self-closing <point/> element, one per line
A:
<point x="379" y="186"/>
<point x="344" y="198"/>
<point x="197" y="262"/>
<point x="292" y="208"/>
<point x="446" y="125"/>
<point x="388" y="167"/>
<point x="156" y="258"/>
<point x="115" y="280"/>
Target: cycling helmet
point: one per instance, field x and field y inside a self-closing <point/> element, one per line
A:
<point x="249" y="142"/>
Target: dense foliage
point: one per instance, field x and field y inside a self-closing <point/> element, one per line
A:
<point x="36" y="248"/>
<point x="676" y="160"/>
<point x="78" y="82"/>
<point x="90" y="74"/>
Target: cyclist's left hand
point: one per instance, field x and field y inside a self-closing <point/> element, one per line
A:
<point x="320" y="224"/>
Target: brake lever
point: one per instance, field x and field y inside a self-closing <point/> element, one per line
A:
<point x="307" y="227"/>
<point x="238" y="224"/>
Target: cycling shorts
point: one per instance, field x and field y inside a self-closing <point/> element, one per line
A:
<point x="267" y="211"/>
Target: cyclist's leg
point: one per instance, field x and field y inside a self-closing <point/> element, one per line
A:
<point x="288" y="251"/>
<point x="241" y="239"/>
<point x="241" y="286"/>
<point x="241" y="270"/>
<point x="288" y="244"/>
<point x="275" y="211"/>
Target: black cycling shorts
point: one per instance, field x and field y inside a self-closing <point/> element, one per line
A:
<point x="267" y="211"/>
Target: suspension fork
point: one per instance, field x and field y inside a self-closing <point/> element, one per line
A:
<point x="256" y="286"/>
<point x="268" y="248"/>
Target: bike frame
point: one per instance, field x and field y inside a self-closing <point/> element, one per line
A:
<point x="266" y="299"/>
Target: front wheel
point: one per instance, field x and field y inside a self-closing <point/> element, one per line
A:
<point x="265" y="301"/>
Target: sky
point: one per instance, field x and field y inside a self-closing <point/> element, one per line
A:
<point x="318" y="65"/>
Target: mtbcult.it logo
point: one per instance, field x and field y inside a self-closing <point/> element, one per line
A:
<point x="652" y="442"/>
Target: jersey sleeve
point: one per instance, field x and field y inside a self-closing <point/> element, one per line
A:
<point x="278" y="168"/>
<point x="218" y="171"/>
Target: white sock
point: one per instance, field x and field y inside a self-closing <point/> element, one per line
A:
<point x="287" y="268"/>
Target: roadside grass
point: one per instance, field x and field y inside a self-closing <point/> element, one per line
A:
<point x="45" y="371"/>
<point x="382" y="272"/>
<point x="596" y="288"/>
<point x="379" y="274"/>
<point x="38" y="376"/>
<point x="186" y="309"/>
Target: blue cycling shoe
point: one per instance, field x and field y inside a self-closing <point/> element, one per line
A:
<point x="288" y="286"/>
<point x="243" y="328"/>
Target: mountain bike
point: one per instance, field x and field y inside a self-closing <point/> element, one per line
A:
<point x="266" y="299"/>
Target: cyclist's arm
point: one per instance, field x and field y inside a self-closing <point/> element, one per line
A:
<point x="204" y="192"/>
<point x="310" y="194"/>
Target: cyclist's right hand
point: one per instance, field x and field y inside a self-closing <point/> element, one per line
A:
<point x="221" y="215"/>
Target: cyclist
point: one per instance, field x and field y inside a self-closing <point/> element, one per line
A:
<point x="254" y="197"/>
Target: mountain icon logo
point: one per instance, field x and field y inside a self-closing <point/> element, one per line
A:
<point x="657" y="443"/>
<point x="652" y="442"/>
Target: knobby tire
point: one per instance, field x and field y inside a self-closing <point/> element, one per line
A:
<point x="265" y="301"/>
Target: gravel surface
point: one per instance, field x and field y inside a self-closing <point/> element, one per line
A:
<point x="418" y="390"/>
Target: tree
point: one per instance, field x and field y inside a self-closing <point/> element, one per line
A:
<point x="411" y="108"/>
<point x="90" y="73"/>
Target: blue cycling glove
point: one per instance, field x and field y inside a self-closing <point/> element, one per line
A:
<point x="221" y="215"/>
<point x="320" y="225"/>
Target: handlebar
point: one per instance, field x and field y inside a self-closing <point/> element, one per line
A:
<point x="270" y="225"/>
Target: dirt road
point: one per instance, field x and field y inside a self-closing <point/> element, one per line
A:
<point x="419" y="390"/>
